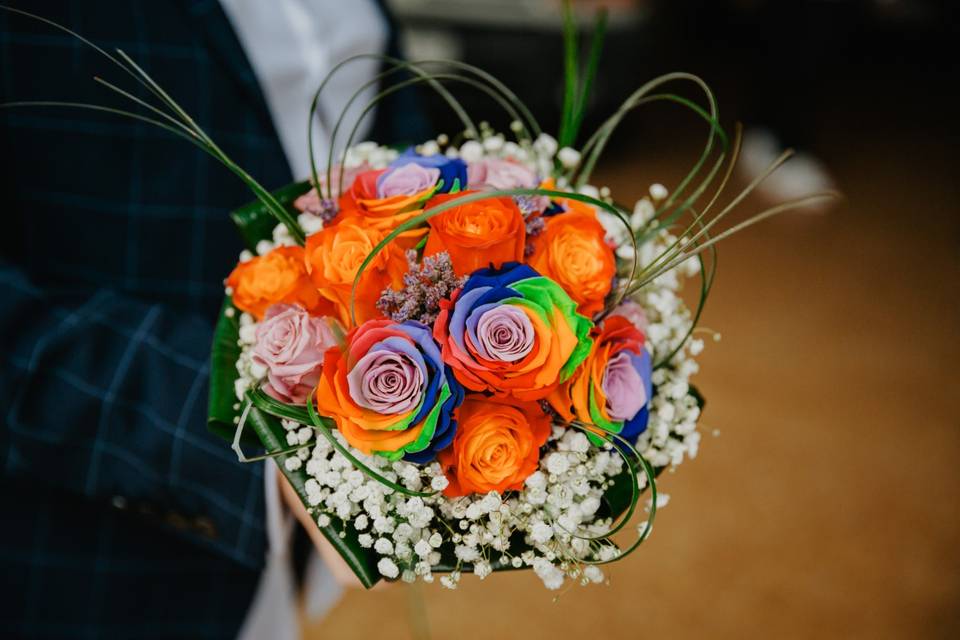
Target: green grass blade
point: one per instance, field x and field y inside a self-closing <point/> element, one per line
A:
<point x="570" y="71"/>
<point x="325" y="426"/>
<point x="593" y="63"/>
<point x="397" y="87"/>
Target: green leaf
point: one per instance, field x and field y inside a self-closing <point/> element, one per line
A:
<point x="222" y="404"/>
<point x="570" y="71"/>
<point x="589" y="73"/>
<point x="254" y="220"/>
<point x="267" y="431"/>
<point x="449" y="563"/>
<point x="618" y="497"/>
<point x="363" y="562"/>
<point x="255" y="223"/>
<point x="701" y="401"/>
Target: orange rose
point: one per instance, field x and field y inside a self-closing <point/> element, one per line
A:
<point x="279" y="276"/>
<point x="497" y="445"/>
<point x="333" y="257"/>
<point x="477" y="233"/>
<point x="383" y="214"/>
<point x="572" y="251"/>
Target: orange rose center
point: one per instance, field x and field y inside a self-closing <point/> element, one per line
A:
<point x="495" y="453"/>
<point x="345" y="256"/>
<point x="477" y="222"/>
<point x="577" y="260"/>
<point x="275" y="273"/>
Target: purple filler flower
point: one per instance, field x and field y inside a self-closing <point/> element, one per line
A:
<point x="424" y="286"/>
<point x="406" y="180"/>
<point x="290" y="344"/>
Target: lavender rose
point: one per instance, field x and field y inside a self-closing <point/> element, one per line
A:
<point x="290" y="345"/>
<point x="624" y="387"/>
<point x="406" y="180"/>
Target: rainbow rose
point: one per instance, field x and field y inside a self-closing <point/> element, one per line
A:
<point x="512" y="332"/>
<point x="389" y="391"/>
<point x="612" y="390"/>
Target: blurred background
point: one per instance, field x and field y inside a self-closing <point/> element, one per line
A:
<point x="824" y="499"/>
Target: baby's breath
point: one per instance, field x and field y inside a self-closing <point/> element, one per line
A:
<point x="559" y="503"/>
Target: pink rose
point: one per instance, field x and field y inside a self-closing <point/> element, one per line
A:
<point x="310" y="202"/>
<point x="494" y="173"/>
<point x="406" y="180"/>
<point x="291" y="344"/>
<point x="633" y="312"/>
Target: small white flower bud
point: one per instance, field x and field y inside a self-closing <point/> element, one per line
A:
<point x="568" y="157"/>
<point x="388" y="568"/>
<point x="471" y="151"/>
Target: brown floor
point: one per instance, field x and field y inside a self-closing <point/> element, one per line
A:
<point x="827" y="507"/>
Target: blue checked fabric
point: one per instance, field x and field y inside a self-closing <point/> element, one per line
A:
<point x="123" y="517"/>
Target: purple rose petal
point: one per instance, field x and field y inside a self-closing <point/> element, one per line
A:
<point x="494" y="173"/>
<point x="501" y="332"/>
<point x="389" y="379"/>
<point x="458" y="319"/>
<point x="624" y="388"/>
<point x="406" y="180"/>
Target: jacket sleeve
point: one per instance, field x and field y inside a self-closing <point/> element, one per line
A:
<point x="105" y="395"/>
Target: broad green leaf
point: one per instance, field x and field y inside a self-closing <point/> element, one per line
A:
<point x="256" y="223"/>
<point x="222" y="404"/>
<point x="363" y="562"/>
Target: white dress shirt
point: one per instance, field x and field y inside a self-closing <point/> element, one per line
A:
<point x="291" y="45"/>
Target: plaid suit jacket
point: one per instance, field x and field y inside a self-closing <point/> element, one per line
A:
<point x="123" y="517"/>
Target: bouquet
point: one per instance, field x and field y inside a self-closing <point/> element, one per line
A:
<point x="462" y="355"/>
